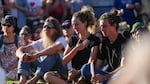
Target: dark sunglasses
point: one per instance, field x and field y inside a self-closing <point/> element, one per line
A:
<point x="6" y="25"/>
<point x="49" y="26"/>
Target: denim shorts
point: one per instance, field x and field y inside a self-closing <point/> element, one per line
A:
<point x="50" y="63"/>
<point x="85" y="72"/>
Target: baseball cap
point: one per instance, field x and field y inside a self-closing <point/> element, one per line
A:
<point x="136" y="26"/>
<point x="66" y="24"/>
<point x="9" y="20"/>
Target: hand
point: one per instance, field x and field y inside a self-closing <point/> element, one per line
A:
<point x="29" y="58"/>
<point x="98" y="78"/>
<point x="129" y="6"/>
<point x="23" y="57"/>
<point x="72" y="73"/>
<point x="120" y="12"/>
<point x="83" y="45"/>
<point x="135" y="36"/>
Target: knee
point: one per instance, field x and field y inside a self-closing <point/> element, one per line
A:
<point x="47" y="76"/>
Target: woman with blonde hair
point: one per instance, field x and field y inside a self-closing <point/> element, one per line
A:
<point x="83" y="47"/>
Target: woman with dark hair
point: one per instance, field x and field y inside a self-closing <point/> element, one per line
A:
<point x="42" y="61"/>
<point x="8" y="46"/>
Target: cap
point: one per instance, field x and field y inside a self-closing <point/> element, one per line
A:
<point x="136" y="26"/>
<point x="66" y="24"/>
<point x="9" y="20"/>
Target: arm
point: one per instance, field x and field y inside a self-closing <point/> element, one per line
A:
<point x="20" y="51"/>
<point x="20" y="8"/>
<point x="50" y="50"/>
<point x="72" y="52"/>
<point x="69" y="54"/>
<point x="99" y="63"/>
<point x="7" y="5"/>
<point x="101" y="78"/>
<point x="136" y="5"/>
<point x="93" y="54"/>
<point x="106" y="77"/>
<point x="121" y="65"/>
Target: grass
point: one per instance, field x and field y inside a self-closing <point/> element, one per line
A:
<point x="11" y="82"/>
<point x="16" y="82"/>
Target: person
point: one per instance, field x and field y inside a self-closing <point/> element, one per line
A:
<point x="29" y="13"/>
<point x="67" y="30"/>
<point x="21" y="13"/>
<point x="34" y="13"/>
<point x="131" y="9"/>
<point x="4" y="8"/>
<point x="137" y="54"/>
<point x="139" y="33"/>
<point x="55" y="8"/>
<point x="111" y="48"/>
<point x="42" y="61"/>
<point x="36" y="35"/>
<point x="8" y="46"/>
<point x="84" y="45"/>
<point x="26" y="34"/>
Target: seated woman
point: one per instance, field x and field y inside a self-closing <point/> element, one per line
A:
<point x="51" y="38"/>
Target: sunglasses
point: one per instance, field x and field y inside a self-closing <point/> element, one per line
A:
<point x="6" y="25"/>
<point x="49" y="26"/>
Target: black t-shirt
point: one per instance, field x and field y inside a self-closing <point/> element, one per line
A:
<point x="112" y="53"/>
<point x="82" y="56"/>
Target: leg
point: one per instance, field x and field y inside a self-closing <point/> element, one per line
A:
<point x="52" y="79"/>
<point x="23" y="79"/>
<point x="36" y="77"/>
<point x="33" y="80"/>
<point x="23" y="71"/>
<point x="85" y="71"/>
<point x="46" y="65"/>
